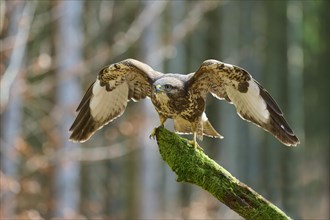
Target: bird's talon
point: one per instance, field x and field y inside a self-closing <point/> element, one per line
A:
<point x="195" y="145"/>
<point x="199" y="147"/>
<point x="153" y="134"/>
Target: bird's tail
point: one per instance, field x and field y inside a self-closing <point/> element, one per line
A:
<point x="183" y="126"/>
<point x="209" y="130"/>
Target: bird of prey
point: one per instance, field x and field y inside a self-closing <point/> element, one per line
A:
<point x="179" y="97"/>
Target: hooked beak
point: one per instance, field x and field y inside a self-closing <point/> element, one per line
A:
<point x="159" y="88"/>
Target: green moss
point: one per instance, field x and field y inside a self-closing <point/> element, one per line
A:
<point x="193" y="166"/>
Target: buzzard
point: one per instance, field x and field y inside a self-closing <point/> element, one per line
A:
<point x="179" y="97"/>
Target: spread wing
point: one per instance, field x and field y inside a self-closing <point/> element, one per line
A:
<point x="253" y="103"/>
<point x="107" y="97"/>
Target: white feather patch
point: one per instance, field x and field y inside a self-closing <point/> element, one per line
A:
<point x="105" y="104"/>
<point x="250" y="103"/>
<point x="204" y="117"/>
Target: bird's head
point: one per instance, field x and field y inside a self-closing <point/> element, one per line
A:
<point x="168" y="86"/>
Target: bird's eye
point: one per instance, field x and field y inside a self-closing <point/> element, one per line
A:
<point x="167" y="86"/>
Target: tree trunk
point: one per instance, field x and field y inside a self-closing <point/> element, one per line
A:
<point x="275" y="78"/>
<point x="295" y="101"/>
<point x="69" y="54"/>
<point x="11" y="106"/>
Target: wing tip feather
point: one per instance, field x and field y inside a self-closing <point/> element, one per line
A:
<point x="280" y="128"/>
<point x="277" y="124"/>
<point x="84" y="125"/>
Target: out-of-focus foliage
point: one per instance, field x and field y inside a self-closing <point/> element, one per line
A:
<point x="52" y="50"/>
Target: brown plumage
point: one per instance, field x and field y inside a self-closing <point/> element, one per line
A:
<point x="179" y="97"/>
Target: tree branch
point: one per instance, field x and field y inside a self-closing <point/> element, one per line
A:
<point x="195" y="167"/>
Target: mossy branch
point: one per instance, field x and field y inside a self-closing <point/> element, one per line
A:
<point x="195" y="167"/>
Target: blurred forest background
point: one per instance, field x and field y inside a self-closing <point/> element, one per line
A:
<point x="52" y="50"/>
